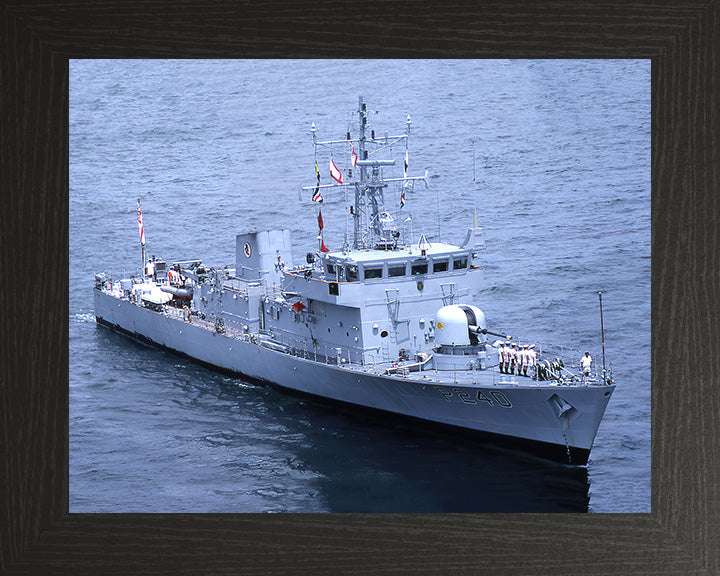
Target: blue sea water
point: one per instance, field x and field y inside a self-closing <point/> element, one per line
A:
<point x="561" y="184"/>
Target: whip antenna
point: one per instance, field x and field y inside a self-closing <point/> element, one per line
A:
<point x="602" y="335"/>
<point x="474" y="187"/>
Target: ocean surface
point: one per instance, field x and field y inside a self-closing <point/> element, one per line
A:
<point x="561" y="184"/>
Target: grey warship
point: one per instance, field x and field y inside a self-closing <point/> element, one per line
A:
<point x="386" y="323"/>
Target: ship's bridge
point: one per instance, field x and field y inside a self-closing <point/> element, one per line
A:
<point x="343" y="277"/>
<point x="363" y="265"/>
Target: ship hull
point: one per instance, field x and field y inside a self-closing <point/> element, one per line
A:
<point x="556" y="422"/>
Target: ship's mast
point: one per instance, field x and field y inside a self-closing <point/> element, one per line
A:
<point x="372" y="226"/>
<point x="357" y="213"/>
<point x="369" y="199"/>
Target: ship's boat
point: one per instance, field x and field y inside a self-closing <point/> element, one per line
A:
<point x="183" y="293"/>
<point x="387" y="322"/>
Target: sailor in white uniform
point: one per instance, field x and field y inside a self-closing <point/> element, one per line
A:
<point x="513" y="358"/>
<point x="532" y="358"/>
<point x="519" y="359"/>
<point x="523" y="360"/>
<point x="150" y="269"/>
<point x="505" y="357"/>
<point x="586" y="363"/>
<point x="501" y="356"/>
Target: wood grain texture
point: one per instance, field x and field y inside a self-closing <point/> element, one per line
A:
<point x="37" y="535"/>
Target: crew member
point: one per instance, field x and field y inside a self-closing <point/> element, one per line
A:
<point x="506" y="353"/>
<point x="513" y="358"/>
<point x="150" y="268"/>
<point x="519" y="359"/>
<point x="586" y="363"/>
<point x="524" y="359"/>
<point x="501" y="356"/>
<point x="532" y="358"/>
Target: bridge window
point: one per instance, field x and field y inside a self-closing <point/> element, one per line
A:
<point x="459" y="263"/>
<point x="440" y="266"/>
<point x="371" y="273"/>
<point x="419" y="269"/>
<point x="331" y="269"/>
<point x="352" y="273"/>
<point x="394" y="271"/>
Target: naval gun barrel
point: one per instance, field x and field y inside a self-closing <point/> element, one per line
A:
<point x="479" y="330"/>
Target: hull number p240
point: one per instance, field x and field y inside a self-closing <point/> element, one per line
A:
<point x="491" y="397"/>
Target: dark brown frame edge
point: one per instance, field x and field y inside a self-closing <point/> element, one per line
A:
<point x="37" y="535"/>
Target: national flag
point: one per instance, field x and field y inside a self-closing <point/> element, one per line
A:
<point x="406" y="183"/>
<point x="140" y="225"/>
<point x="299" y="306"/>
<point x="353" y="156"/>
<point x="335" y="173"/>
<point x="323" y="248"/>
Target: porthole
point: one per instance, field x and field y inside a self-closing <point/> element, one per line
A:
<point x="383" y="334"/>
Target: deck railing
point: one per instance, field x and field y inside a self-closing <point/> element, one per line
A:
<point x="365" y="361"/>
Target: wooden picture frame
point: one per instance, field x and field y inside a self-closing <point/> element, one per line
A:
<point x="679" y="536"/>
